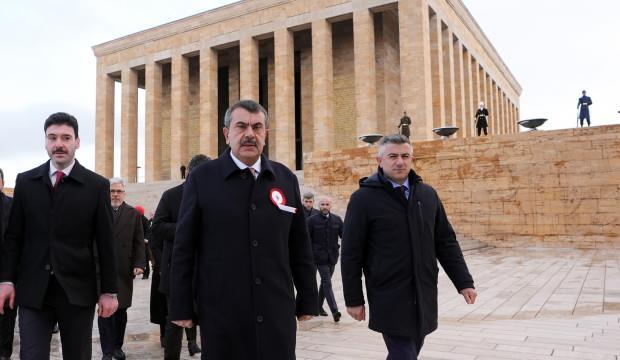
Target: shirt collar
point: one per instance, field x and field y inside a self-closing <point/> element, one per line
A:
<point x="395" y="184"/>
<point x="256" y="166"/>
<point x="66" y="170"/>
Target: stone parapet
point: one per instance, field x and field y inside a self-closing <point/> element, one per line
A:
<point x="538" y="188"/>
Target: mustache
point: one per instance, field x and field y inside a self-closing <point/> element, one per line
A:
<point x="251" y="142"/>
<point x="59" y="151"/>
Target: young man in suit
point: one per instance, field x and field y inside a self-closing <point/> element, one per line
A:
<point x="61" y="211"/>
<point x="129" y="239"/>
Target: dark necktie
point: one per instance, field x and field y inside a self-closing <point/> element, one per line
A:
<point x="59" y="176"/>
<point x="403" y="191"/>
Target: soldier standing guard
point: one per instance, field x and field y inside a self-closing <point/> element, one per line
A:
<point x="403" y="126"/>
<point x="584" y="108"/>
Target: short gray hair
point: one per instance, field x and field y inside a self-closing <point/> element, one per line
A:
<point x="308" y="195"/>
<point x="251" y="106"/>
<point x="397" y="139"/>
<point x="117" y="180"/>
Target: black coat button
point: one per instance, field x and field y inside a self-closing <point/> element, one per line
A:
<point x="254" y="243"/>
<point x="257" y="281"/>
<point x="253" y="206"/>
<point x="259" y="319"/>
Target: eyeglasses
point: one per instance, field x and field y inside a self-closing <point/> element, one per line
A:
<point x="117" y="191"/>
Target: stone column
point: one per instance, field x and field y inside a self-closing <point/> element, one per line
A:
<point x="496" y="112"/>
<point x="448" y="71"/>
<point x="248" y="68"/>
<point x="365" y="72"/>
<point x="459" y="86"/>
<point x="129" y="125"/>
<point x="104" y="123"/>
<point x="468" y="116"/>
<point x="322" y="85"/>
<point x="415" y="66"/>
<point x="437" y="70"/>
<point x="477" y="92"/>
<point x="504" y="114"/>
<point x="152" y="122"/>
<point x="488" y="100"/>
<point x="285" y="97"/>
<point x="178" y="117"/>
<point x="208" y="103"/>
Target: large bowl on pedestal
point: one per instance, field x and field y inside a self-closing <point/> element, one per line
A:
<point x="445" y="131"/>
<point x="531" y="123"/>
<point x="370" y="138"/>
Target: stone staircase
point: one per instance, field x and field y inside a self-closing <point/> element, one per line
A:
<point x="148" y="196"/>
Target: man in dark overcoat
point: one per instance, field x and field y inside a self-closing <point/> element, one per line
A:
<point x="164" y="228"/>
<point x="583" y="104"/>
<point x="61" y="212"/>
<point x="324" y="230"/>
<point x="241" y="219"/>
<point x="395" y="231"/>
<point x="129" y="239"/>
<point x="7" y="320"/>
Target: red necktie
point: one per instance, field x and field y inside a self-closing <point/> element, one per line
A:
<point x="59" y="176"/>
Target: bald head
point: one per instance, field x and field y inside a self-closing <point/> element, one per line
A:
<point x="325" y="205"/>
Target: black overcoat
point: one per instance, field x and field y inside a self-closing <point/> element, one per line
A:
<point x="5" y="211"/>
<point x="129" y="236"/>
<point x="396" y="243"/>
<point x="252" y="256"/>
<point x="481" y="118"/>
<point x="583" y="105"/>
<point x="324" y="234"/>
<point x="58" y="230"/>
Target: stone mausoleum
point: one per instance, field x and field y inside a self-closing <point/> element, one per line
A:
<point x="328" y="71"/>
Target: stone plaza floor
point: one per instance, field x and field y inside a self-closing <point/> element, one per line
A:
<point x="532" y="304"/>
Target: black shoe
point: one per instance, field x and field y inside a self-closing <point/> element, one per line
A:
<point x="322" y="312"/>
<point x="55" y="329"/>
<point x="106" y="357"/>
<point x="337" y="315"/>
<point x="193" y="348"/>
<point x="119" y="354"/>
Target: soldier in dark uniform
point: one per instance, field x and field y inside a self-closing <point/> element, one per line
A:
<point x="584" y="108"/>
<point x="481" y="117"/>
<point x="404" y="124"/>
<point x="241" y="219"/>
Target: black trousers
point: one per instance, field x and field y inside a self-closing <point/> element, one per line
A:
<point x="400" y="348"/>
<point x="112" y="331"/>
<point x="75" y="324"/>
<point x="480" y="129"/>
<point x="173" y="337"/>
<point x="7" y="330"/>
<point x="325" y="289"/>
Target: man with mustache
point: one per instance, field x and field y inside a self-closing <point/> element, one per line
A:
<point x="395" y="230"/>
<point x="61" y="212"/>
<point x="241" y="219"/>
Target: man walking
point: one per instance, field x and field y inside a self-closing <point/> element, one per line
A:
<point x="129" y="239"/>
<point x="7" y="321"/>
<point x="324" y="230"/>
<point x="164" y="228"/>
<point x="61" y="211"/>
<point x="241" y="220"/>
<point x="309" y="209"/>
<point x="395" y="231"/>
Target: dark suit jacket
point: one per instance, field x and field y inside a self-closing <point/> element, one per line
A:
<point x="57" y="230"/>
<point x="251" y="256"/>
<point x="5" y="210"/>
<point x="324" y="233"/>
<point x="129" y="237"/>
<point x="164" y="227"/>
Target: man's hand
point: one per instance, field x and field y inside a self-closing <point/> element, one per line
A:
<point x="107" y="305"/>
<point x="138" y="271"/>
<point x="183" y="323"/>
<point x="304" y="317"/>
<point x="7" y="292"/>
<point x="470" y="295"/>
<point x="357" y="312"/>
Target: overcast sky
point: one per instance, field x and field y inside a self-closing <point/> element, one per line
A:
<point x="555" y="49"/>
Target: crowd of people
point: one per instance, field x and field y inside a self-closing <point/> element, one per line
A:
<point x="236" y="252"/>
